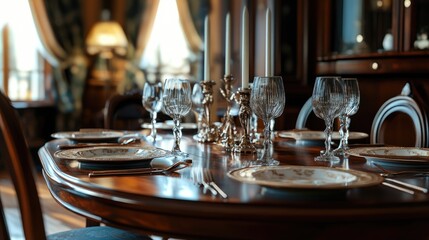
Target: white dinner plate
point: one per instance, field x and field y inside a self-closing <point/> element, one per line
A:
<point x="110" y="154"/>
<point x="318" y="135"/>
<point x="403" y="155"/>
<point x="89" y="135"/>
<point x="169" y="125"/>
<point x="305" y="177"/>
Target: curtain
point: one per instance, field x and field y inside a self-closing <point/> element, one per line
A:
<point x="60" y="30"/>
<point x="192" y="14"/>
<point x="188" y="24"/>
<point x="138" y="23"/>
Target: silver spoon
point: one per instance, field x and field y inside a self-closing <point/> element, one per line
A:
<point x="149" y="171"/>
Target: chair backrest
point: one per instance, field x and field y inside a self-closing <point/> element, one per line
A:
<point x="125" y="112"/>
<point x="303" y="115"/>
<point x="19" y="164"/>
<point x="401" y="120"/>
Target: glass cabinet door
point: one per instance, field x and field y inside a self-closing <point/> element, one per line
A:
<point x="361" y="26"/>
<point x="420" y="39"/>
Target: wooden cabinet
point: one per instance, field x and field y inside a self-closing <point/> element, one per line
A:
<point x="384" y="43"/>
<point x="371" y="28"/>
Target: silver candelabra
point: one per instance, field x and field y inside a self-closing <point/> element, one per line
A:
<point x="227" y="129"/>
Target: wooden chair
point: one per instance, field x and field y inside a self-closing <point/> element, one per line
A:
<point x="125" y="112"/>
<point x="19" y="164"/>
<point x="303" y="115"/>
<point x="402" y="119"/>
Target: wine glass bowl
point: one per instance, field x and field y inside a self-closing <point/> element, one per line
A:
<point x="177" y="103"/>
<point x="152" y="102"/>
<point x="327" y="103"/>
<point x="267" y="101"/>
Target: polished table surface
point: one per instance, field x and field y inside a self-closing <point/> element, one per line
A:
<point x="175" y="206"/>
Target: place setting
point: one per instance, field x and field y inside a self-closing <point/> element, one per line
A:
<point x="89" y="135"/>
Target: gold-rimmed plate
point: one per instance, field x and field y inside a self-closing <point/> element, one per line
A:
<point x="169" y="125"/>
<point x="110" y="154"/>
<point x="305" y="177"/>
<point x="88" y="136"/>
<point x="310" y="135"/>
<point x="397" y="155"/>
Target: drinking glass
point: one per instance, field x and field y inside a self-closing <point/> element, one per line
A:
<point x="177" y="103"/>
<point x="198" y="108"/>
<point x="327" y="102"/>
<point x="351" y="106"/>
<point x="267" y="101"/>
<point x="152" y="102"/>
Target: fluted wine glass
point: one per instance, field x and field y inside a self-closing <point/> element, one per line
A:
<point x="267" y="101"/>
<point x="198" y="108"/>
<point x="351" y="106"/>
<point x="152" y="102"/>
<point x="327" y="102"/>
<point x="177" y="103"/>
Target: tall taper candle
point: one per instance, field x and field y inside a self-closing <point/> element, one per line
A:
<point x="268" y="63"/>
<point x="206" y="49"/>
<point x="227" y="45"/>
<point x="245" y="49"/>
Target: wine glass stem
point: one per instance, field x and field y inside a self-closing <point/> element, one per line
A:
<point x="268" y="151"/>
<point x="328" y="134"/>
<point x="153" y="129"/>
<point x="344" y="132"/>
<point x="177" y="132"/>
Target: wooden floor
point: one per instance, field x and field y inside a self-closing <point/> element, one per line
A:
<point x="56" y="217"/>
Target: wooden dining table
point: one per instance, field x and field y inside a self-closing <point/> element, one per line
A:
<point x="175" y="206"/>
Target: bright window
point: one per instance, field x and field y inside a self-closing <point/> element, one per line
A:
<point x="167" y="50"/>
<point x="22" y="77"/>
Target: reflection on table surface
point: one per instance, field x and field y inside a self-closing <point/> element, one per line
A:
<point x="175" y="206"/>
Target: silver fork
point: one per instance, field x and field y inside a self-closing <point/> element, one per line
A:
<point x="386" y="173"/>
<point x="198" y="178"/>
<point x="209" y="178"/>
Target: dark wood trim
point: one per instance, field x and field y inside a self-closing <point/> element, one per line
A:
<point x="397" y="65"/>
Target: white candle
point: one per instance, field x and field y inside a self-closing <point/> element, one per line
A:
<point x="227" y="45"/>
<point x="206" y="49"/>
<point x="268" y="63"/>
<point x="245" y="50"/>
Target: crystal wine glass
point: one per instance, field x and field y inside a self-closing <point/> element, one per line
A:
<point x="351" y="106"/>
<point x="152" y="102"/>
<point x="177" y="103"/>
<point x="267" y="101"/>
<point x="198" y="108"/>
<point x="328" y="101"/>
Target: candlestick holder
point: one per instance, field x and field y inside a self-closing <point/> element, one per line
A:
<point x="245" y="112"/>
<point x="209" y="132"/>
<point x="227" y="128"/>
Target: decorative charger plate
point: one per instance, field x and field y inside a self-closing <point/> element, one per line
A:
<point x="93" y="135"/>
<point x="405" y="155"/>
<point x="169" y="125"/>
<point x="305" y="177"/>
<point x="110" y="154"/>
<point x="318" y="135"/>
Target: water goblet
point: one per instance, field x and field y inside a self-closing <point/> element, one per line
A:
<point x="177" y="103"/>
<point x="351" y="106"/>
<point x="152" y="102"/>
<point x="198" y="108"/>
<point x="267" y="100"/>
<point x="327" y="102"/>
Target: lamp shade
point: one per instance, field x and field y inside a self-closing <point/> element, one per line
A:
<point x="106" y="36"/>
